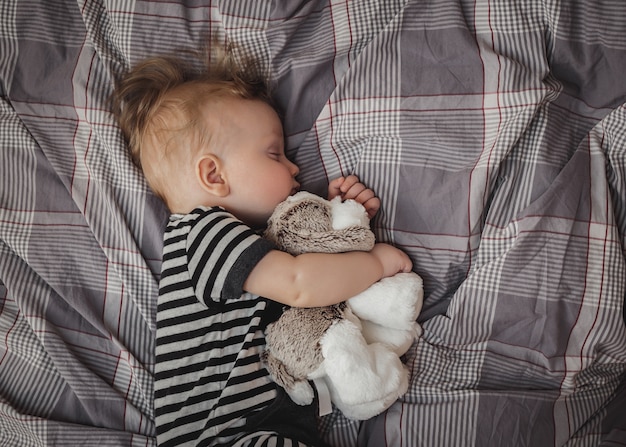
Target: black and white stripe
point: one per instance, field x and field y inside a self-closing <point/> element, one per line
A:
<point x="209" y="334"/>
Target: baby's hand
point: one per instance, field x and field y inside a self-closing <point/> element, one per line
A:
<point x="392" y="259"/>
<point x="351" y="188"/>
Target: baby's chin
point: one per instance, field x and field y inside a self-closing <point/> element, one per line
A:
<point x="257" y="222"/>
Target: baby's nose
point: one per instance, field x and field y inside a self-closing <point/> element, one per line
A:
<point x="295" y="170"/>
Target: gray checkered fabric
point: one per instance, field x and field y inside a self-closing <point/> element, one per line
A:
<point x="494" y="132"/>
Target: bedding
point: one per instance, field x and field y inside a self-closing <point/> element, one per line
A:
<point x="494" y="133"/>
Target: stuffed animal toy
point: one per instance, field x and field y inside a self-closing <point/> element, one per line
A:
<point x="352" y="348"/>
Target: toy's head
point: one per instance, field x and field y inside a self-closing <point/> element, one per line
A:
<point x="306" y="223"/>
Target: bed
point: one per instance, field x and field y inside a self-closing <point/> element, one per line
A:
<point x="494" y="133"/>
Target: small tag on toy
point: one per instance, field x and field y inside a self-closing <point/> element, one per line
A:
<point x="323" y="396"/>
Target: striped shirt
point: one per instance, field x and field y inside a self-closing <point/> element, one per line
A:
<point x="209" y="377"/>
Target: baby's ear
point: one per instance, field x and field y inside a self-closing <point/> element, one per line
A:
<point x="209" y="175"/>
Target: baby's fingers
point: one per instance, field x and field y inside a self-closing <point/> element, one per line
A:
<point x="372" y="206"/>
<point x="346" y="187"/>
<point x="351" y="187"/>
<point x="334" y="187"/>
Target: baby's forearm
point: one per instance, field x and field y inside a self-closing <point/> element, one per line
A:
<point x="322" y="280"/>
<point x="318" y="279"/>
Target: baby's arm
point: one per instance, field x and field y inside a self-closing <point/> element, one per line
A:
<point x="322" y="279"/>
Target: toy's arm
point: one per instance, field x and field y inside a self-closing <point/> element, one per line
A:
<point x="351" y="188"/>
<point x="322" y="279"/>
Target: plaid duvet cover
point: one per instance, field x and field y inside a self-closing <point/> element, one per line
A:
<point x="493" y="131"/>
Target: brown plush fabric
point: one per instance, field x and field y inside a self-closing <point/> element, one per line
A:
<point x="303" y="224"/>
<point x="294" y="341"/>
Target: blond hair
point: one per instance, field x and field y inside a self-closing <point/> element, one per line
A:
<point x="158" y="102"/>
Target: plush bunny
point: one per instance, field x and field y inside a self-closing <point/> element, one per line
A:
<point x="354" y="347"/>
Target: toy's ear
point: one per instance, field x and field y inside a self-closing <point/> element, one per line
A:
<point x="210" y="175"/>
<point x="348" y="213"/>
<point x="303" y="224"/>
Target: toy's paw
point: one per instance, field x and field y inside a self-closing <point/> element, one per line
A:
<point x="367" y="410"/>
<point x="391" y="384"/>
<point x="360" y="373"/>
<point x="399" y="341"/>
<point x="348" y="214"/>
<point x="393" y="302"/>
<point x="301" y="393"/>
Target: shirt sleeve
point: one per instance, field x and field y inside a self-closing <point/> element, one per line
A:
<point x="221" y="253"/>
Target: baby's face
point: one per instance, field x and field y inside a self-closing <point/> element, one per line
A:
<point x="256" y="169"/>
